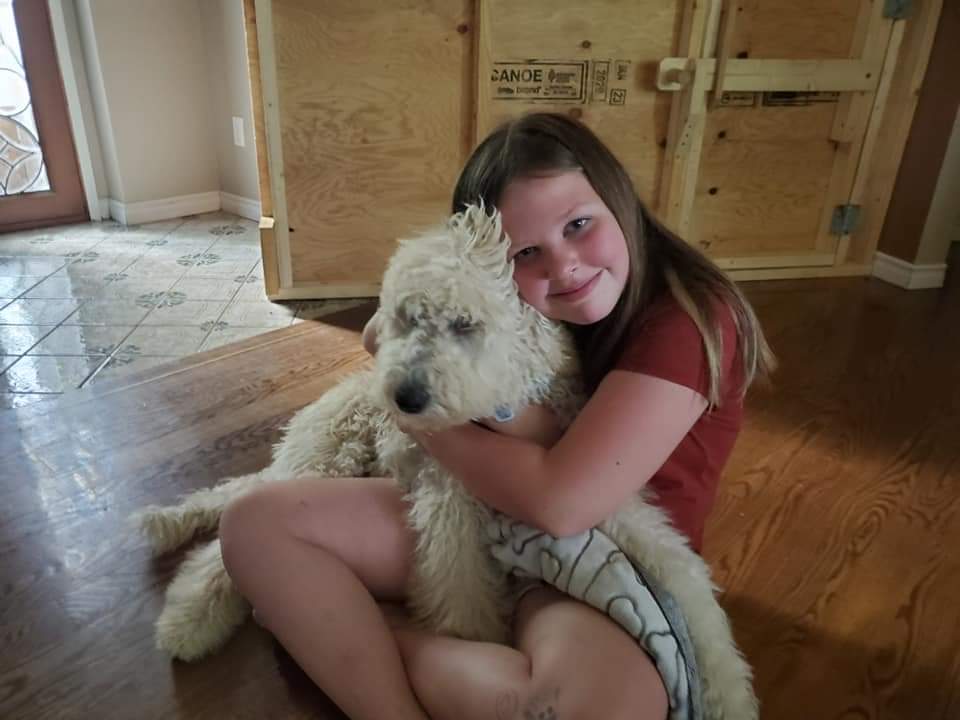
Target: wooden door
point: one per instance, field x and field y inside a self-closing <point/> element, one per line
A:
<point x="747" y="125"/>
<point x="372" y="126"/>
<point x="595" y="62"/>
<point x="39" y="174"/>
<point x="773" y="127"/>
<point x="743" y="123"/>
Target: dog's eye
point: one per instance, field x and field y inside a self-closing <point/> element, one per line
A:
<point x="462" y="326"/>
<point x="406" y="319"/>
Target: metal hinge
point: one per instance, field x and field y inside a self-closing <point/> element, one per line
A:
<point x="844" y="219"/>
<point x="896" y="9"/>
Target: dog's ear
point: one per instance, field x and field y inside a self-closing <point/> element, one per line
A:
<point x="483" y="228"/>
<point x="484" y="241"/>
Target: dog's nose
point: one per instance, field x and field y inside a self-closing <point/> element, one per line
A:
<point x="411" y="397"/>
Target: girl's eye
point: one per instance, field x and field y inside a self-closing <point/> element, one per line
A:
<point x="527" y="252"/>
<point x="577" y="224"/>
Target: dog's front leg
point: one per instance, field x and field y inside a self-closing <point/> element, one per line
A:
<point x="456" y="588"/>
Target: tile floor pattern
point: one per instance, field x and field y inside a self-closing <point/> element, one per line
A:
<point x="79" y="303"/>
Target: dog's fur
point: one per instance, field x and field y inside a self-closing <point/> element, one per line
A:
<point x="456" y="342"/>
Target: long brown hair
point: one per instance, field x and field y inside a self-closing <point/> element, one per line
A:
<point x="545" y="143"/>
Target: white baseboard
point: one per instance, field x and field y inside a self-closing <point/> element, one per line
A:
<point x="164" y="209"/>
<point x="104" y="208"/>
<point x="239" y="205"/>
<point x="908" y="275"/>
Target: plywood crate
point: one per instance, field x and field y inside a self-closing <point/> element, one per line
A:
<point x="747" y="126"/>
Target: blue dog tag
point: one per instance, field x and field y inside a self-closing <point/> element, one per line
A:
<point x="503" y="413"/>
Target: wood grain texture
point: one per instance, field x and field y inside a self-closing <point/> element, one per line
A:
<point x="377" y="106"/>
<point x="639" y="33"/>
<point x="906" y="83"/>
<point x="79" y="592"/>
<point x="926" y="145"/>
<point x="764" y="180"/>
<point x="834" y="532"/>
<point x="788" y="30"/>
<point x="372" y="111"/>
<point x="256" y="93"/>
<point x="836" y="527"/>
<point x="754" y="184"/>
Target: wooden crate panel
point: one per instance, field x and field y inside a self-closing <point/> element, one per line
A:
<point x="374" y="99"/>
<point x="610" y="53"/>
<point x="787" y="29"/>
<point x="764" y="180"/>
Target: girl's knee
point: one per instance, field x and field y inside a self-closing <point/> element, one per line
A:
<point x="242" y="525"/>
<point x="584" y="664"/>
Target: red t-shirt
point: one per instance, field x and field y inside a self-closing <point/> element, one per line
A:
<point x="664" y="342"/>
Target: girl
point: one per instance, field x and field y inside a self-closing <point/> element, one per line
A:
<point x="668" y="345"/>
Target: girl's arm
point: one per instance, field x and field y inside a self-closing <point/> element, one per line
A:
<point x="534" y="423"/>
<point x="622" y="436"/>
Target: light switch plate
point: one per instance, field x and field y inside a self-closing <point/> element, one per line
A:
<point x="238" y="132"/>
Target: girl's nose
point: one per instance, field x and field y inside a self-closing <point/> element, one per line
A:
<point x="563" y="264"/>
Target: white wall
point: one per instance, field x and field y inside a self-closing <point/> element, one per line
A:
<point x="163" y="80"/>
<point x="154" y="77"/>
<point x="943" y="219"/>
<point x="229" y="82"/>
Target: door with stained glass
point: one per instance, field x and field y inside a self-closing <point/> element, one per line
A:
<point x="39" y="174"/>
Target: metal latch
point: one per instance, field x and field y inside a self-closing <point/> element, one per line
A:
<point x="896" y="9"/>
<point x="844" y="219"/>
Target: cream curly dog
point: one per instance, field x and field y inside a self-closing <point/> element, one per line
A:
<point x="456" y="343"/>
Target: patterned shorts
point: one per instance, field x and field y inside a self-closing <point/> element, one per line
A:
<point x="591" y="568"/>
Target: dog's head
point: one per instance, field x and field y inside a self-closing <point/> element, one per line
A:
<point x="455" y="340"/>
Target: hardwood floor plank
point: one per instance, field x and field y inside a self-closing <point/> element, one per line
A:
<point x="835" y="532"/>
<point x="836" y="527"/>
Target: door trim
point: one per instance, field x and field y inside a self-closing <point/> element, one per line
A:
<point x="65" y="201"/>
<point x="71" y="88"/>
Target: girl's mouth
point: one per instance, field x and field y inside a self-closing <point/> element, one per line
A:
<point x="579" y="291"/>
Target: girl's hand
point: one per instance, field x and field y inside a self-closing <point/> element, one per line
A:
<point x="534" y="423"/>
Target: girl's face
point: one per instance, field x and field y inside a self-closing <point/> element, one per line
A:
<point x="570" y="255"/>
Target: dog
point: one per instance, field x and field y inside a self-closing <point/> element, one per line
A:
<point x="456" y="343"/>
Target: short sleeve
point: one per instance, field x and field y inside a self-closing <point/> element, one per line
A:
<point x="665" y="343"/>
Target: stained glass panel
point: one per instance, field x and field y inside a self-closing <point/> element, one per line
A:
<point x="22" y="169"/>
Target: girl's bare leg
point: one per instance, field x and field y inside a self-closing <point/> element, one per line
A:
<point x="571" y="663"/>
<point x="312" y="555"/>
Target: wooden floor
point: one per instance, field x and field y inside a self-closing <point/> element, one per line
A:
<point x="836" y="533"/>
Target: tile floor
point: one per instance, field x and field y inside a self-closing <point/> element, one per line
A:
<point x="79" y="303"/>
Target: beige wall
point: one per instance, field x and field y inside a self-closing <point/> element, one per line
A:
<point x="161" y="85"/>
<point x="919" y="174"/>
<point x="154" y="72"/>
<point x="229" y="81"/>
<point x="943" y="221"/>
<point x="98" y="100"/>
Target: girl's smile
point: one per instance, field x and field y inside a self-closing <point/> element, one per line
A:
<point x="580" y="291"/>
